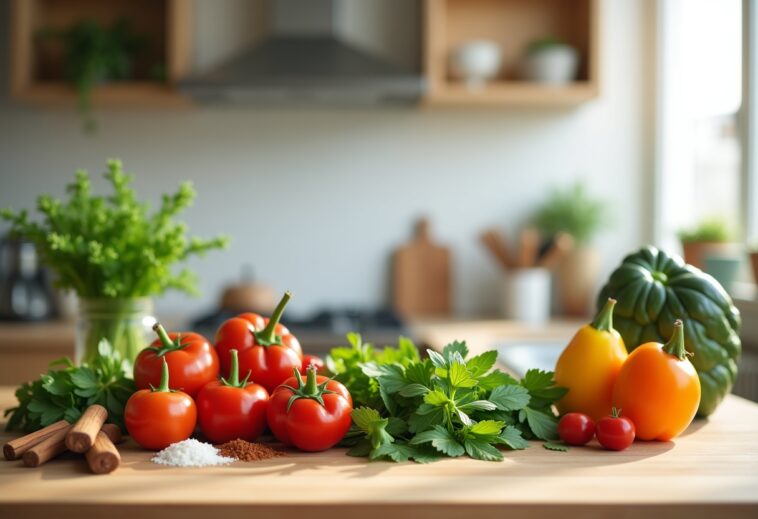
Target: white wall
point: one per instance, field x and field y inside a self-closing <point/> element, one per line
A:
<point x="317" y="199"/>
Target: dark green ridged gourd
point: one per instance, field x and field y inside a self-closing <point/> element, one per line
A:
<point x="654" y="289"/>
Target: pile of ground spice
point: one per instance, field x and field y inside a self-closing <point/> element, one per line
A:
<point x="246" y="451"/>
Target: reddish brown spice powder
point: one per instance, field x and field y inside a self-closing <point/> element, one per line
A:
<point x="247" y="451"/>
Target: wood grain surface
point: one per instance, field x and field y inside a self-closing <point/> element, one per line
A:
<point x="710" y="471"/>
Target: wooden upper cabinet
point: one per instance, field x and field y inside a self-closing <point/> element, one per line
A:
<point x="512" y="25"/>
<point x="38" y="61"/>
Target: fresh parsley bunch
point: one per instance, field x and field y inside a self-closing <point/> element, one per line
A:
<point x="64" y="394"/>
<point x="111" y="246"/>
<point x="445" y="405"/>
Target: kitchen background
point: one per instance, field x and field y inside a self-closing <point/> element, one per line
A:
<point x="316" y="196"/>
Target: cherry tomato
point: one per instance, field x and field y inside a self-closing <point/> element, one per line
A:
<point x="270" y="353"/>
<point x="312" y="359"/>
<point x="313" y="415"/>
<point x="156" y="418"/>
<point x="192" y="361"/>
<point x="576" y="428"/>
<point x="615" y="432"/>
<point x="233" y="408"/>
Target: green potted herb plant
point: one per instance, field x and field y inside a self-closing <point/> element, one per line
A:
<point x="711" y="237"/>
<point x="114" y="254"/>
<point x="574" y="212"/>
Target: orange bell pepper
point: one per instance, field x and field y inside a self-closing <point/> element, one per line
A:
<point x="658" y="388"/>
<point x="589" y="365"/>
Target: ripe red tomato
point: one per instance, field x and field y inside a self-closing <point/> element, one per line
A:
<point x="156" y="418"/>
<point x="312" y="359"/>
<point x="615" y="432"/>
<point x="231" y="409"/>
<point x="270" y="353"/>
<point x="192" y="361"/>
<point x="576" y="428"/>
<point x="317" y="418"/>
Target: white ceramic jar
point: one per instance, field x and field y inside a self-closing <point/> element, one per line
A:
<point x="476" y="62"/>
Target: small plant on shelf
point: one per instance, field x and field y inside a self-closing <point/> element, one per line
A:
<point x="94" y="54"/>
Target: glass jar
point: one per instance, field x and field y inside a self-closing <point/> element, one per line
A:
<point x="126" y="323"/>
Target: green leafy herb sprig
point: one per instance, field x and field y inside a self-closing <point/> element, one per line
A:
<point x="110" y="246"/>
<point x="445" y="405"/>
<point x="65" y="393"/>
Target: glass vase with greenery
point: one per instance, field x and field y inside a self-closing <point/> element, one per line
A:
<point x="114" y="254"/>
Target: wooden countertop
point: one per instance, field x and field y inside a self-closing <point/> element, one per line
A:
<point x="710" y="471"/>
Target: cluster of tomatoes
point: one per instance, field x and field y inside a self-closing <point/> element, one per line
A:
<point x="185" y="382"/>
<point x="614" y="432"/>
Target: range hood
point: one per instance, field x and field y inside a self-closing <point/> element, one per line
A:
<point x="305" y="61"/>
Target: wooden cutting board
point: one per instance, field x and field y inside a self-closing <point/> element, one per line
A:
<point x="709" y="471"/>
<point x="421" y="284"/>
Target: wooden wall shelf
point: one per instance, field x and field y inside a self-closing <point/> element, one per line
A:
<point x="512" y="24"/>
<point x="37" y="69"/>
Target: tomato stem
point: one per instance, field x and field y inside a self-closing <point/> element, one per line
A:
<point x="267" y="336"/>
<point x="165" y="339"/>
<point x="163" y="387"/>
<point x="675" y="346"/>
<point x="311" y="383"/>
<point x="604" y="319"/>
<point x="234" y="372"/>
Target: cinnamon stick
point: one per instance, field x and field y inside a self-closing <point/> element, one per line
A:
<point x="81" y="436"/>
<point x="113" y="431"/>
<point x="47" y="449"/>
<point x="14" y="449"/>
<point x="103" y="457"/>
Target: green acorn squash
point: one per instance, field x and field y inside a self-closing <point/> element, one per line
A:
<point x="654" y="289"/>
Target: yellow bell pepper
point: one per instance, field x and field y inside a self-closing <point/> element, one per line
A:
<point x="589" y="365"/>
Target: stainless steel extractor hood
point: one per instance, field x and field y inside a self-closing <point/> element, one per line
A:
<point x="304" y="61"/>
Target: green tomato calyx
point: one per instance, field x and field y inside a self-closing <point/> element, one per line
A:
<point x="310" y="388"/>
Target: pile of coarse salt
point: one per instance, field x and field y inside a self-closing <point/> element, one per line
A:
<point x="190" y="453"/>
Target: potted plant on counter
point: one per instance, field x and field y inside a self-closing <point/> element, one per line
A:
<point x="711" y="237"/>
<point x="574" y="212"/>
<point x="114" y="255"/>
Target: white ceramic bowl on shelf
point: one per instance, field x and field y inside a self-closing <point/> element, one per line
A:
<point x="553" y="65"/>
<point x="476" y="62"/>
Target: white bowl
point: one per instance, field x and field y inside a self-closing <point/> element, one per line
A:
<point x="476" y="62"/>
<point x="554" y="65"/>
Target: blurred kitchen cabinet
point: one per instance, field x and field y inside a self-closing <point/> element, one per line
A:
<point x="38" y="64"/>
<point x="512" y="25"/>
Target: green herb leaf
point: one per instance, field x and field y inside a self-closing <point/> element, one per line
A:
<point x="509" y="398"/>
<point x="481" y="450"/>
<point x="436" y="398"/>
<point x="454" y="347"/>
<point x="481" y="364"/>
<point x="496" y="379"/>
<point x="441" y="439"/>
<point x="412" y="390"/>
<point x="544" y="427"/>
<point x="511" y="437"/>
<point x="556" y="446"/>
<point x="478" y="405"/>
<point x="486" y="428"/>
<point x="437" y="359"/>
